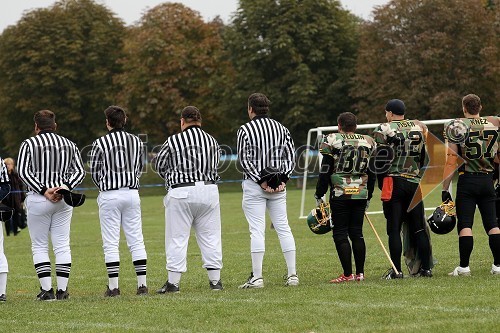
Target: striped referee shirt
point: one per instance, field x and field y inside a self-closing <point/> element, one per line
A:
<point x="4" y="175"/>
<point x="190" y="156"/>
<point x="49" y="160"/>
<point x="262" y="143"/>
<point x="116" y="160"/>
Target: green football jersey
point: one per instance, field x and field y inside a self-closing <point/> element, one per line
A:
<point x="477" y="140"/>
<point x="406" y="139"/>
<point x="351" y="154"/>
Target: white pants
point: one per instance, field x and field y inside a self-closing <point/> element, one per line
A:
<point x="121" y="208"/>
<point x="255" y="202"/>
<point x="46" y="218"/>
<point x="198" y="207"/>
<point x="4" y="265"/>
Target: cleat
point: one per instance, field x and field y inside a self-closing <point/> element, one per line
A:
<point x="391" y="275"/>
<point x="424" y="273"/>
<point x="342" y="278"/>
<point x="3" y="298"/>
<point x="460" y="271"/>
<point x="360" y="277"/>
<point x="142" y="290"/>
<point x="46" y="295"/>
<point x="112" y="292"/>
<point x="292" y="280"/>
<point x="62" y="294"/>
<point x="216" y="285"/>
<point x="168" y="288"/>
<point x="495" y="269"/>
<point x="252" y="283"/>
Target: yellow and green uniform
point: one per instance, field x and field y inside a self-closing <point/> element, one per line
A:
<point x="350" y="155"/>
<point x="406" y="138"/>
<point x="477" y="140"/>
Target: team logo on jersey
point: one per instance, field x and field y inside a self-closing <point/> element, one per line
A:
<point x="456" y="131"/>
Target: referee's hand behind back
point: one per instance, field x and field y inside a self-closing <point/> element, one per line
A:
<point x="51" y="194"/>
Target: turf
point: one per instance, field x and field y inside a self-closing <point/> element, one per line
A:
<point x="442" y="303"/>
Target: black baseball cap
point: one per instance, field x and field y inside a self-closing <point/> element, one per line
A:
<point x="72" y="199"/>
<point x="396" y="106"/>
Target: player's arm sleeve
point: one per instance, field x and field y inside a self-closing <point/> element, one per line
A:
<point x="245" y="155"/>
<point x="450" y="165"/>
<point x="325" y="173"/>
<point x="25" y="170"/>
<point x="141" y="157"/>
<point x="96" y="163"/>
<point x="289" y="158"/>
<point x="77" y="170"/>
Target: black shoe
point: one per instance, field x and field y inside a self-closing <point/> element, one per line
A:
<point x="216" y="286"/>
<point x="46" y="295"/>
<point x="424" y="273"/>
<point x="3" y="298"/>
<point x="62" y="294"/>
<point x="112" y="292"/>
<point x="168" y="288"/>
<point x="142" y="290"/>
<point x="390" y="275"/>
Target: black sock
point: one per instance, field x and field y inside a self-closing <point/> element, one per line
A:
<point x="344" y="251"/>
<point x="395" y="248"/>
<point x="359" y="252"/>
<point x="113" y="269"/>
<point x="465" y="246"/>
<point x="495" y="248"/>
<point x="423" y="248"/>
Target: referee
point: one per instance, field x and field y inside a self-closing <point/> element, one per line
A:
<point x="188" y="163"/>
<point x="4" y="266"/>
<point x="115" y="166"/>
<point x="265" y="148"/>
<point x="47" y="163"/>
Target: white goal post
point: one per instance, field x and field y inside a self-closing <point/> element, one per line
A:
<point x="319" y="131"/>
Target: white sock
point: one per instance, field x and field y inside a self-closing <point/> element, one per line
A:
<point x="46" y="283"/>
<point x="3" y="283"/>
<point x="174" y="277"/>
<point x="213" y="275"/>
<point x="290" y="262"/>
<point x="141" y="280"/>
<point x="113" y="283"/>
<point x="257" y="260"/>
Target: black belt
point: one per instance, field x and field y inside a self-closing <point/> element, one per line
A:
<point x="207" y="182"/>
<point x="475" y="173"/>
<point x="129" y="187"/>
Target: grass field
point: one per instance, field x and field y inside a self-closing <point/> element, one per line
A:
<point x="442" y="303"/>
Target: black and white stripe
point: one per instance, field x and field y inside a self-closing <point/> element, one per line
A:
<point x="49" y="160"/>
<point x="190" y="156"/>
<point x="264" y="142"/>
<point x="140" y="267"/>
<point x="4" y="175"/>
<point x="116" y="160"/>
<point x="43" y="269"/>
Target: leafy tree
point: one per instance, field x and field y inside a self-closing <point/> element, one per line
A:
<point x="429" y="53"/>
<point x="300" y="53"/>
<point x="60" y="58"/>
<point x="173" y="59"/>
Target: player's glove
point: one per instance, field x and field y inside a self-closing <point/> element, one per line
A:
<point x="387" y="130"/>
<point x="446" y="196"/>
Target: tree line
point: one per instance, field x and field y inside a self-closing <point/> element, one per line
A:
<point x="313" y="59"/>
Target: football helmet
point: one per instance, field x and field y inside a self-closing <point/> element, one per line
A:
<point x="5" y="212"/>
<point x="319" y="219"/>
<point x="443" y="219"/>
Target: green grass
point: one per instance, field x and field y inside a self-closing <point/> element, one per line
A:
<point x="444" y="304"/>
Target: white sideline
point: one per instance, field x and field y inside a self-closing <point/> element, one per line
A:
<point x="319" y="131"/>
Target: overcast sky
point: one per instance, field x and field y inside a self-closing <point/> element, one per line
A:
<point x="131" y="10"/>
